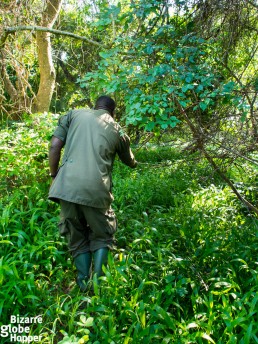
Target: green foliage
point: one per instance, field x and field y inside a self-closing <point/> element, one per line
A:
<point x="161" y="70"/>
<point x="185" y="266"/>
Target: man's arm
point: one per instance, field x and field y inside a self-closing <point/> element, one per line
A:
<point x="56" y="146"/>
<point x="124" y="152"/>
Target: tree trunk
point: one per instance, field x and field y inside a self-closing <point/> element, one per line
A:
<point x="46" y="67"/>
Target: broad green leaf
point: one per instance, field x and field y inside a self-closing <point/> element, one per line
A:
<point x="203" y="106"/>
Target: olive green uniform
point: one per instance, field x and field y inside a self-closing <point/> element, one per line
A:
<point x="83" y="183"/>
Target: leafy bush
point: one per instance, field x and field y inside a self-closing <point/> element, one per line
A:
<point x="184" y="269"/>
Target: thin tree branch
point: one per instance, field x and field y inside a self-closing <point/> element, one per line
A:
<point x="254" y="161"/>
<point x="199" y="136"/>
<point x="13" y="29"/>
<point x="229" y="182"/>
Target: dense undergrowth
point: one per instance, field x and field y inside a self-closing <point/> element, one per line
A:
<point x="185" y="266"/>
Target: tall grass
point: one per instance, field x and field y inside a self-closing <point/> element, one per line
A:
<point x="185" y="265"/>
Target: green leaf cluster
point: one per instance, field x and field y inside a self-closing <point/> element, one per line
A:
<point x="160" y="72"/>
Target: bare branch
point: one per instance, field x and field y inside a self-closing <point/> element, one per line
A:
<point x="229" y="182"/>
<point x="198" y="135"/>
<point x="14" y="29"/>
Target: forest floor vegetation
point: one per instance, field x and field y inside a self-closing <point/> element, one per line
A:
<point x="185" y="265"/>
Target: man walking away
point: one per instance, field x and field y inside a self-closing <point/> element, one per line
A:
<point x="82" y="182"/>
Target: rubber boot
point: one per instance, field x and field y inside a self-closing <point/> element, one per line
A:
<point x="83" y="264"/>
<point x="100" y="258"/>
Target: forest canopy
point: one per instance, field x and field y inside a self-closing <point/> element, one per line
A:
<point x="148" y="54"/>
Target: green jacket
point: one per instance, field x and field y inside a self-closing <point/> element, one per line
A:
<point x="92" y="139"/>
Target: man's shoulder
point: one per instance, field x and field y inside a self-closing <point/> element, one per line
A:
<point x="83" y="114"/>
<point x="82" y="111"/>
